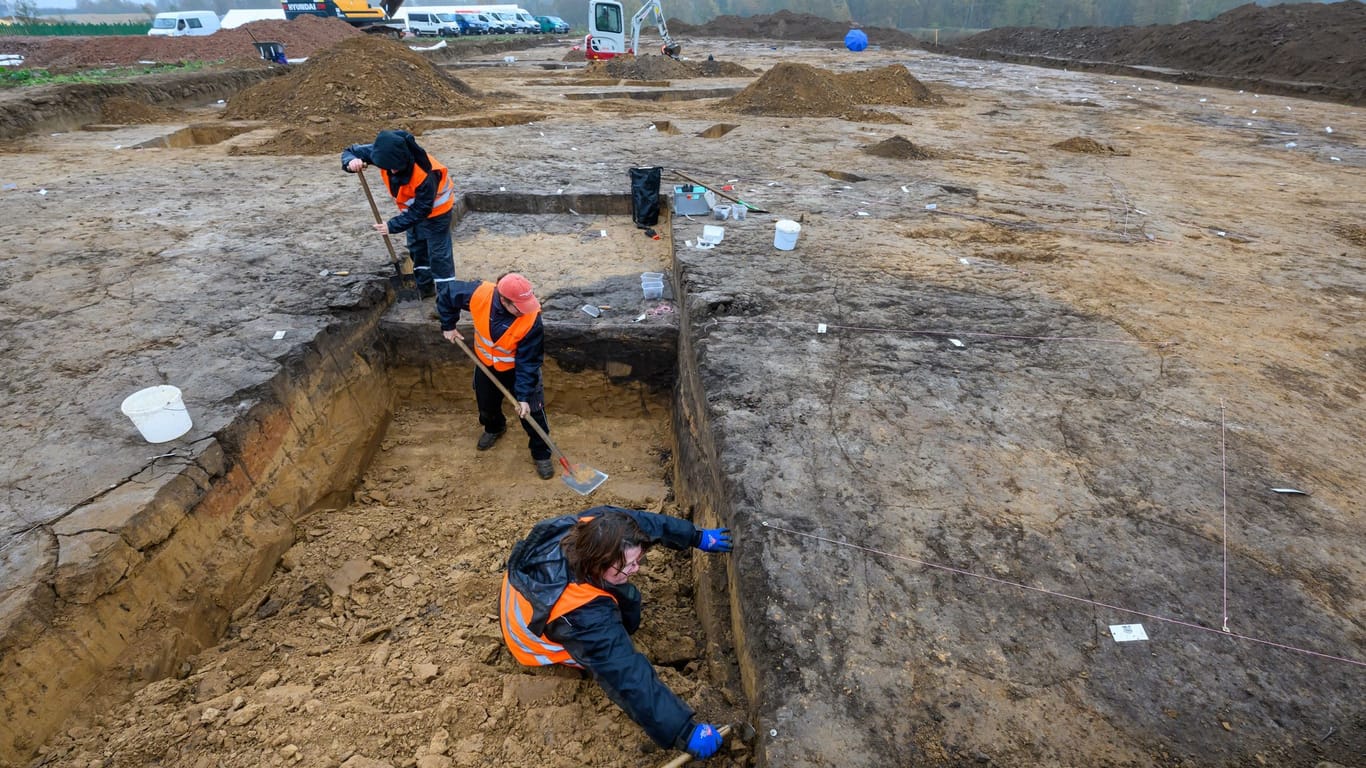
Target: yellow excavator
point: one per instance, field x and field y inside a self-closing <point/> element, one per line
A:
<point x="358" y="13"/>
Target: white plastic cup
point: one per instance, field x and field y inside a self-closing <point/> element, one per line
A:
<point x="738" y="212"/>
<point x="785" y="234"/>
<point x="158" y="412"/>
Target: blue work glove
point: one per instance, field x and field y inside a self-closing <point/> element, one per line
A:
<point x="713" y="539"/>
<point x="704" y="741"/>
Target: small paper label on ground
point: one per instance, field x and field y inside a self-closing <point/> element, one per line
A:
<point x="1125" y="633"/>
<point x="279" y="335"/>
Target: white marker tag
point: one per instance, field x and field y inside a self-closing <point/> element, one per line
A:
<point x="1126" y="633"/>
<point x="956" y="342"/>
<point x="279" y="335"/>
<point x="820" y="327"/>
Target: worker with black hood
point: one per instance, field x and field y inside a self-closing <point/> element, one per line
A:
<point x="422" y="188"/>
<point x="567" y="599"/>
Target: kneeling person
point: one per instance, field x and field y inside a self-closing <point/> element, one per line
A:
<point x="567" y="599"/>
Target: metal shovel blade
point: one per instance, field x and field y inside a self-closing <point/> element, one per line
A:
<point x="582" y="479"/>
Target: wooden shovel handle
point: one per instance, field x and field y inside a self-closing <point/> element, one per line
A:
<point x="512" y="399"/>
<point x="393" y="257"/>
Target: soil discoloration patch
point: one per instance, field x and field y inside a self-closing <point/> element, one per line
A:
<point x="1086" y="146"/>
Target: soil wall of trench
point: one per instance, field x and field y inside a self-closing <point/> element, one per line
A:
<point x="111" y="611"/>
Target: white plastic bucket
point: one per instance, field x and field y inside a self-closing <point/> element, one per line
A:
<point x="785" y="234"/>
<point x="158" y="413"/>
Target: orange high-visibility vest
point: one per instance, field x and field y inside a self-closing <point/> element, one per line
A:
<point x="445" y="192"/>
<point x="514" y="611"/>
<point x="500" y="355"/>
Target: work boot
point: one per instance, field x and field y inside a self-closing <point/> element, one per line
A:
<point x="545" y="468"/>
<point x="487" y="440"/>
<point x="426" y="291"/>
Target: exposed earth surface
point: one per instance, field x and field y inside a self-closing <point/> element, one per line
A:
<point x="1041" y="446"/>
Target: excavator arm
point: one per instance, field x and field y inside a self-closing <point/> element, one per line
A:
<point x="391" y="7"/>
<point x="651" y="8"/>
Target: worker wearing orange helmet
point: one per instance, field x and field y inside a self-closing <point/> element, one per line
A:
<point x="567" y="599"/>
<point x="509" y="340"/>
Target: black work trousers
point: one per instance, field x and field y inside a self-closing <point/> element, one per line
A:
<point x="490" y="401"/>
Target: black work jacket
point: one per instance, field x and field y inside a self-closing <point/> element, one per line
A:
<point x="597" y="634"/>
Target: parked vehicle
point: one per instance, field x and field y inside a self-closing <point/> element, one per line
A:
<point x="184" y="23"/>
<point x="511" y="23"/>
<point x="471" y="24"/>
<point x="496" y="25"/>
<point x="528" y="23"/>
<point x="553" y="25"/>
<point x="433" y="24"/>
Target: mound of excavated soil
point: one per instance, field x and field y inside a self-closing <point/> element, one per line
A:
<point x="801" y="90"/>
<point x="899" y="148"/>
<point x="122" y="110"/>
<point x="649" y="67"/>
<point x="786" y="25"/>
<point x="1308" y="42"/>
<point x="1087" y="146"/>
<point x="893" y="85"/>
<point x="362" y="75"/>
<point x="301" y="37"/>
<point x="347" y="94"/>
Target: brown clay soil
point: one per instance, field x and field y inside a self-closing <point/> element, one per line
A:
<point x="1086" y="146"/>
<point x="654" y="67"/>
<point x="1042" y="368"/>
<point x="1291" y="42"/>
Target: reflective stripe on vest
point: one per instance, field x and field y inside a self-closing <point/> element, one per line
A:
<point x="514" y="611"/>
<point x="500" y="355"/>
<point x="445" y="192"/>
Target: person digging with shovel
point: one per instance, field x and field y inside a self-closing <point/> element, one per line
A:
<point x="510" y="341"/>
<point x="422" y="188"/>
<point x="567" y="599"/>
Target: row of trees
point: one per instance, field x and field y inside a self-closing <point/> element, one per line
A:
<point x="903" y="14"/>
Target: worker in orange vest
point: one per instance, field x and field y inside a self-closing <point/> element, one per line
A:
<point x="422" y="188"/>
<point x="510" y="340"/>
<point x="567" y="599"/>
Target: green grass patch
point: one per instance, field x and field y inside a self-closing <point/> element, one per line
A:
<point x="19" y="78"/>
<point x="66" y="28"/>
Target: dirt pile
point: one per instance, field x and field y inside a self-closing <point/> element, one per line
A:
<point x="649" y="67"/>
<point x="786" y="25"/>
<point x="348" y="93"/>
<point x="1309" y="42"/>
<point x="801" y="90"/>
<point x="122" y="110"/>
<point x="899" y="148"/>
<point x="301" y="37"/>
<point x="893" y="85"/>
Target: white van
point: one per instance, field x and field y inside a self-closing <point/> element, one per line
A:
<point x="434" y="24"/>
<point x="180" y="23"/>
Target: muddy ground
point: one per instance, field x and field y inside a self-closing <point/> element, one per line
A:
<point x="1053" y="392"/>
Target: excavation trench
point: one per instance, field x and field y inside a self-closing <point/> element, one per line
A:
<point x="325" y="570"/>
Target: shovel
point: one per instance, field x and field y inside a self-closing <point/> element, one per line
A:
<point x="582" y="478"/>
<point x="404" y="268"/>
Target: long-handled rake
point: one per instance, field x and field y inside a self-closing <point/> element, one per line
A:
<point x="580" y="477"/>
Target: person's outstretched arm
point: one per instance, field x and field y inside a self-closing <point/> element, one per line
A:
<point x="593" y="634"/>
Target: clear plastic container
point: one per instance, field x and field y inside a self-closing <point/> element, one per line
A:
<point x="652" y="289"/>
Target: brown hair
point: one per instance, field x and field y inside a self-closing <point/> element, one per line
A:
<point x="594" y="546"/>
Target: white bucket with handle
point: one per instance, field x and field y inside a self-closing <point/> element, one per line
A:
<point x="158" y="412"/>
<point x="785" y="234"/>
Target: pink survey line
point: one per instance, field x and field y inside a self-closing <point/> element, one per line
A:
<point x="1051" y="593"/>
<point x="1223" y="458"/>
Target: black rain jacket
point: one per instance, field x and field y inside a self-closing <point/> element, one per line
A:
<point x="597" y="634"/>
